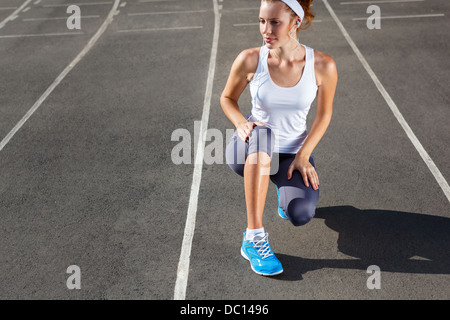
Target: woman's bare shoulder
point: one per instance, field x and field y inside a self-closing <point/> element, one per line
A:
<point x="324" y="66"/>
<point x="247" y="62"/>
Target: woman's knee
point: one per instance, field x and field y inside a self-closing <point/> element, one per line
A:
<point x="300" y="211"/>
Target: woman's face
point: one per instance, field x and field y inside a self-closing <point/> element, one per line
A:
<point x="275" y="24"/>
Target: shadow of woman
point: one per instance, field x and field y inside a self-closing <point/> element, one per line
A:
<point x="395" y="241"/>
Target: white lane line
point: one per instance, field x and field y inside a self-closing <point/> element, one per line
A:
<point x="55" y="83"/>
<point x="40" y="35"/>
<point x="159" y="29"/>
<point x="183" y="264"/>
<point x="406" y="16"/>
<point x="58" y="18"/>
<point x="165" y="12"/>
<point x="13" y="15"/>
<point x="426" y="158"/>
<point x="377" y="1"/>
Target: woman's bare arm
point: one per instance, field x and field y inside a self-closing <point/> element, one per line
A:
<point x="242" y="70"/>
<point x="326" y="78"/>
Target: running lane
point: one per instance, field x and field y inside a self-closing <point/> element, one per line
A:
<point x="379" y="203"/>
<point x="88" y="180"/>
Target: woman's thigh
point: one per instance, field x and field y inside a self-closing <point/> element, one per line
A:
<point x="297" y="201"/>
<point x="260" y="140"/>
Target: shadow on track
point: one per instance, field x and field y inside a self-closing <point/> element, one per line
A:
<point x="388" y="239"/>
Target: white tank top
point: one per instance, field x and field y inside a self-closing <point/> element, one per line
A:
<point x="283" y="109"/>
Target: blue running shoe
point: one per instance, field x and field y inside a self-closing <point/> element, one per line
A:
<point x="260" y="254"/>
<point x="280" y="211"/>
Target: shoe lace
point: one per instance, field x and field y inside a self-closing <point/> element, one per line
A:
<point x="262" y="246"/>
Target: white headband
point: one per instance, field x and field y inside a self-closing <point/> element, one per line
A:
<point x="296" y="7"/>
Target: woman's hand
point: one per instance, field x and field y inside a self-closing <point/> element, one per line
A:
<point x="306" y="169"/>
<point x="245" y="128"/>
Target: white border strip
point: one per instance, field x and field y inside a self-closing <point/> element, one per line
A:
<point x="55" y="83"/>
<point x="429" y="162"/>
<point x="183" y="264"/>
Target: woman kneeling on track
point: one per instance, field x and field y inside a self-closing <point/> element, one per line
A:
<point x="284" y="77"/>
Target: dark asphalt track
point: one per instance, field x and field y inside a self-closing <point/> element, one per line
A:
<point x="88" y="180"/>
